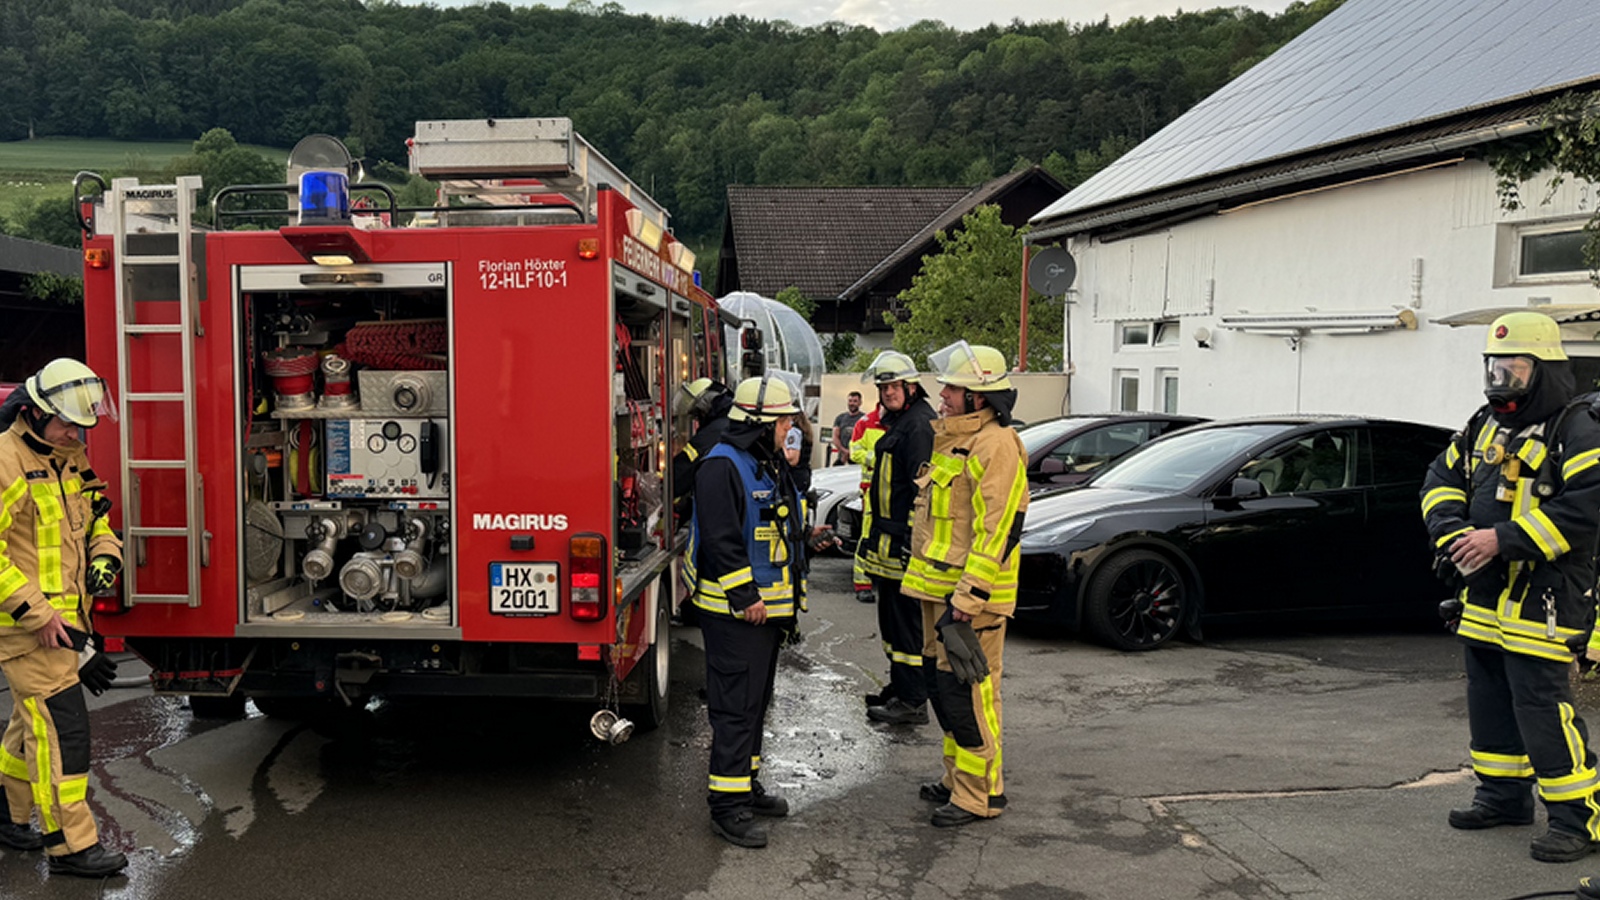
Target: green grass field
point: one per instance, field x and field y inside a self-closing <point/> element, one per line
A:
<point x="31" y="170"/>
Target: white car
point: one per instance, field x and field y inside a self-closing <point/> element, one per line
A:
<point x="833" y="486"/>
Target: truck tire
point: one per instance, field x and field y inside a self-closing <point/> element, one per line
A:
<point x="215" y="707"/>
<point x="654" y="667"/>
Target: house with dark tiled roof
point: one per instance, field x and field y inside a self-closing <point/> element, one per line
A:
<point x="852" y="250"/>
<point x="35" y="331"/>
<point x="1314" y="236"/>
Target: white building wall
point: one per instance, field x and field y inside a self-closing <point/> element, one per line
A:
<point x="1360" y="247"/>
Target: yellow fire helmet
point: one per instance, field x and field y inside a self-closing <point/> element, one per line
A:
<point x="890" y="366"/>
<point x="71" y="390"/>
<point x="972" y="366"/>
<point x="762" y="399"/>
<point x="688" y="396"/>
<point x="1525" y="334"/>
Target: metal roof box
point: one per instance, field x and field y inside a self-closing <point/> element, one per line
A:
<point x="494" y="148"/>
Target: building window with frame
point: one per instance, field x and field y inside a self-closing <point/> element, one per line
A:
<point x="1151" y="333"/>
<point x="1550" y="252"/>
<point x="1127" y="385"/>
<point x="1167" y="389"/>
<point x="1540" y="253"/>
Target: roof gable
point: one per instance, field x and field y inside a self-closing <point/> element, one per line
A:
<point x="823" y="239"/>
<point x="1369" y="67"/>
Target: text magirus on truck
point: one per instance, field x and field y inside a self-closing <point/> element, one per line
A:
<point x="380" y="450"/>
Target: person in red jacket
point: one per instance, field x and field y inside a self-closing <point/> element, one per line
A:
<point x="862" y="441"/>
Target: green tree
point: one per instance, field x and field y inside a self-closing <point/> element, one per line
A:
<point x="797" y="301"/>
<point x="839" y="353"/>
<point x="50" y="287"/>
<point x="220" y="161"/>
<point x="969" y="290"/>
<point x="50" y="220"/>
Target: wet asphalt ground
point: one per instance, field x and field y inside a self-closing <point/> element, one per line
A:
<point x="1274" y="763"/>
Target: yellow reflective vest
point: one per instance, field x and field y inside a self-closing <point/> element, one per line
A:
<point x="966" y="526"/>
<point x="47" y="536"/>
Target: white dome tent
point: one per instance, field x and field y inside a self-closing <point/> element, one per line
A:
<point x="789" y="343"/>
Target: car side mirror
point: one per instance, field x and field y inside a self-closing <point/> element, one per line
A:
<point x="1052" y="465"/>
<point x="1244" y="489"/>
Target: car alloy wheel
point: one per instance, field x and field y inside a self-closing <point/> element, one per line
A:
<point x="1136" y="601"/>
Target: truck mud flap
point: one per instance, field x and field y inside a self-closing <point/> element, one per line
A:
<point x="201" y="682"/>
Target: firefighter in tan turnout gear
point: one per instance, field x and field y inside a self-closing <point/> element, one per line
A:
<point x="56" y="550"/>
<point x="965" y="534"/>
<point x="1513" y="508"/>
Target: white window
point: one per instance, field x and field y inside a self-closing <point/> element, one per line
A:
<point x="1166" y="333"/>
<point x="1157" y="333"/>
<point x="1167" y="386"/>
<point x="1133" y="334"/>
<point x="1546" y="253"/>
<point x="1127" y="384"/>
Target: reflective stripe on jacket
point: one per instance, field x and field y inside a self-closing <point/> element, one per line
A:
<point x="46" y="535"/>
<point x="904" y="447"/>
<point x="967" y="525"/>
<point x="742" y="547"/>
<point x="1536" y="595"/>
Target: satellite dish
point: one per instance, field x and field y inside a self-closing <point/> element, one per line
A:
<point x="1051" y="271"/>
<point x="320" y="153"/>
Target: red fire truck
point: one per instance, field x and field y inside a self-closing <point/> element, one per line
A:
<point x="377" y="451"/>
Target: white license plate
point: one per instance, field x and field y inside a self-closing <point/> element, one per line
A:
<point x="524" y="589"/>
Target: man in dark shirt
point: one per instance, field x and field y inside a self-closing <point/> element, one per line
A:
<point x="844" y="424"/>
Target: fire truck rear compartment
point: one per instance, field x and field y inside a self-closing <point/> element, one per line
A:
<point x="346" y="462"/>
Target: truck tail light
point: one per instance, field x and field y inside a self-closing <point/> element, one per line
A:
<point x="108" y="606"/>
<point x="586" y="558"/>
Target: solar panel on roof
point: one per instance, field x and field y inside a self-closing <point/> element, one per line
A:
<point x="1370" y="66"/>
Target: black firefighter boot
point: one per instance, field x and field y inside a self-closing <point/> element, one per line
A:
<point x="1561" y="846"/>
<point x="1588" y="888"/>
<point x="1479" y="816"/>
<point x="765" y="804"/>
<point x="20" y="837"/>
<point x="740" y="829"/>
<point x="93" y="861"/>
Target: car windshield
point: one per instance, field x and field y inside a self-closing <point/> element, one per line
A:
<point x="1180" y="461"/>
<point x="1036" y="436"/>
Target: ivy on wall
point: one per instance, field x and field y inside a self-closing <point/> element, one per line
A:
<point x="1567" y="145"/>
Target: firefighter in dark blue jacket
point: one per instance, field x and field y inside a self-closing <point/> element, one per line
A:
<point x="1513" y="506"/>
<point x="745" y="556"/>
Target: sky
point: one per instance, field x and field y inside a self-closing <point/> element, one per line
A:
<point x="888" y="15"/>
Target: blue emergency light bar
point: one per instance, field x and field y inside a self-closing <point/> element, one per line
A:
<point x="324" y="198"/>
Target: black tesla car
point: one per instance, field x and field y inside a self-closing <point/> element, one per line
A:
<point x="1283" y="516"/>
<point x="1071" y="449"/>
<point x="1062" y="451"/>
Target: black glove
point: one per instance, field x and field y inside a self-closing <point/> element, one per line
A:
<point x="102" y="575"/>
<point x="962" y="649"/>
<point x="97" y="671"/>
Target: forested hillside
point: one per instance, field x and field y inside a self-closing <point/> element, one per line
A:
<point x="686" y="108"/>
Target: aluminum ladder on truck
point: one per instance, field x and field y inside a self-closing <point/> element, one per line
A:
<point x="151" y="213"/>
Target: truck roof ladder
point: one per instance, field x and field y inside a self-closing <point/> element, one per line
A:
<point x="474" y="157"/>
<point x="140" y="209"/>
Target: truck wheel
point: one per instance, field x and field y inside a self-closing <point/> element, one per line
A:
<point x="654" y="668"/>
<point x="213" y="707"/>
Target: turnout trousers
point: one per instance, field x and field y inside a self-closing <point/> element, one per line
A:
<point x="44" y="756"/>
<point x="900" y="625"/>
<point x="969" y="715"/>
<point x="741" y="667"/>
<point x="1526" y="732"/>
